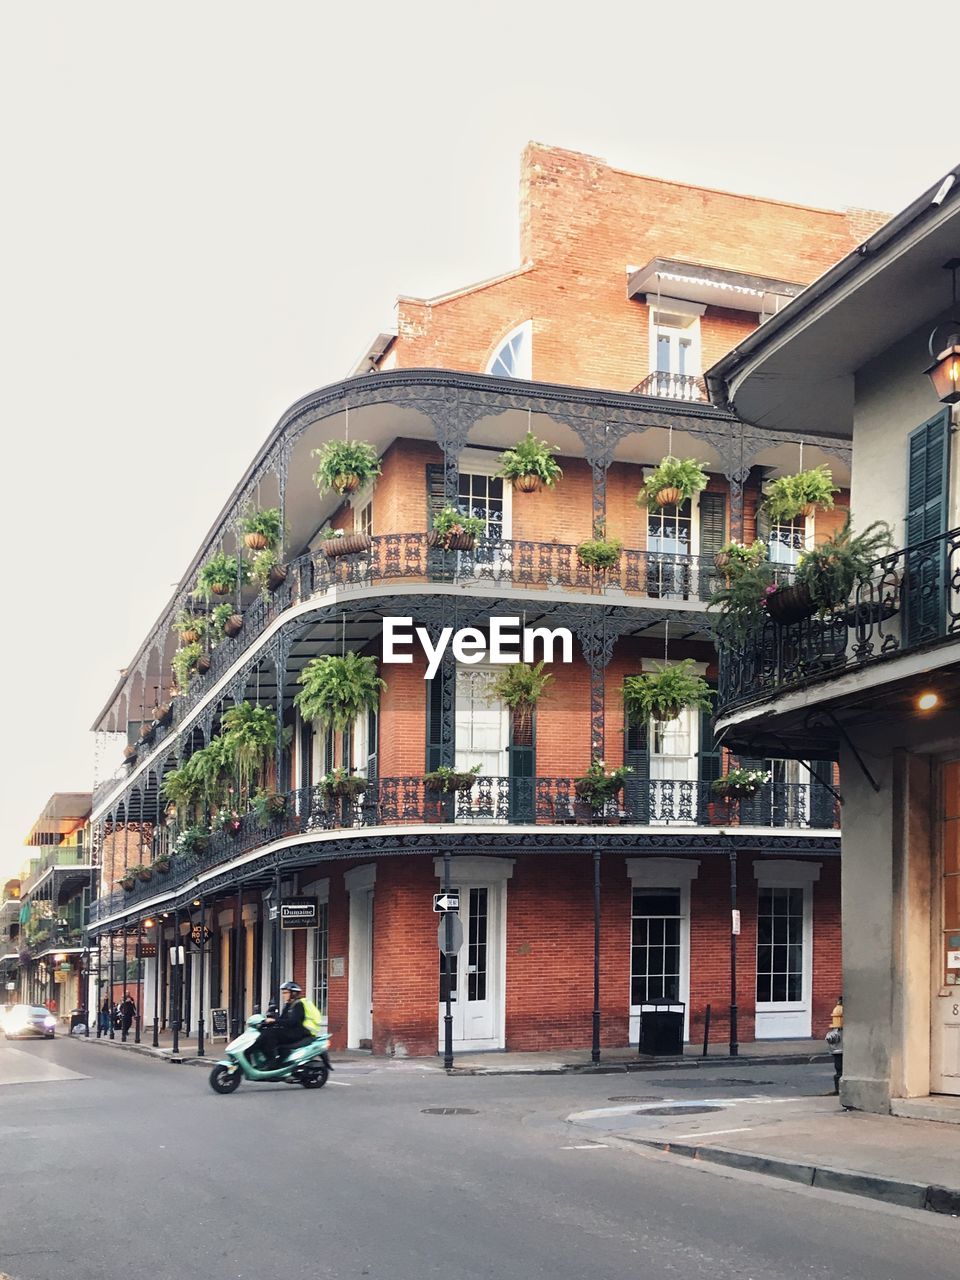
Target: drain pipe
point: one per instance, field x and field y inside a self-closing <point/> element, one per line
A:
<point x="734" y="930"/>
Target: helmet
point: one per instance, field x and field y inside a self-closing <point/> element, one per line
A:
<point x="292" y="986"/>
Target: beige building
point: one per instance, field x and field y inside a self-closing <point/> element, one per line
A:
<point x="873" y="680"/>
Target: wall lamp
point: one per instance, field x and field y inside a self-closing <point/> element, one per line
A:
<point x="944" y="373"/>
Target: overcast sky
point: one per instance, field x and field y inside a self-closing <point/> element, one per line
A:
<point x="209" y="208"/>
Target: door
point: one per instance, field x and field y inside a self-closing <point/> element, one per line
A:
<point x="659" y="949"/>
<point x="671" y="537"/>
<point x="482" y="738"/>
<point x="476" y="973"/>
<point x="673" y="768"/>
<point x="784" y="961"/>
<point x="924" y="586"/>
<point x="360" y="986"/>
<point x="945" y="1020"/>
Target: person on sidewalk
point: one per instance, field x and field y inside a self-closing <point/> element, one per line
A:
<point x="103" y="1018"/>
<point x="128" y="1011"/>
<point x="834" y="1039"/>
<point x="299" y="1020"/>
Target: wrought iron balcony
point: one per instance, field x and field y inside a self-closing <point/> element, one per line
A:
<point x="672" y="386"/>
<point x="547" y="802"/>
<point x="909" y="600"/>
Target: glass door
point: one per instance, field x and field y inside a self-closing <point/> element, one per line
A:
<point x="784" y="971"/>
<point x="670" y="538"/>
<point x="673" y="768"/>
<point x="473" y="973"/>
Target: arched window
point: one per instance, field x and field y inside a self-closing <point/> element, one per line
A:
<point x="514" y="356"/>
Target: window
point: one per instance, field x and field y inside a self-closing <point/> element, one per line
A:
<point x="363" y="519"/>
<point x="675" y="348"/>
<point x="780" y="945"/>
<point x="482" y="496"/>
<point x="787" y="540"/>
<point x="320" y="961"/>
<point x="655" y="945"/>
<point x="514" y="357"/>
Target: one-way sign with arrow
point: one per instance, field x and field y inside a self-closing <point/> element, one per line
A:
<point x="446" y="901"/>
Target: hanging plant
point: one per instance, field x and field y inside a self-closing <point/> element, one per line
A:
<point x="455" y="531"/>
<point x="832" y="569"/>
<point x="225" y="621"/>
<point x="738" y="784"/>
<point x="600" y="784"/>
<point x="662" y="694"/>
<point x="672" y="481"/>
<point x="345" y="465"/>
<point x="336" y="690"/>
<point x="269" y="806"/>
<point x="741" y="601"/>
<point x="734" y="557"/>
<point x="261" y="528"/>
<point x="337" y="542"/>
<point x="249" y="735"/>
<point x="189" y="626"/>
<point x="221" y="575"/>
<point x="185" y="663"/>
<point x="191" y="842"/>
<point x="600" y="553"/>
<point x="267" y="571"/>
<point x="161" y="864"/>
<point x="521" y="687"/>
<point x="530" y="464"/>
<point x="447" y="779"/>
<point x="800" y="495"/>
<point x="340" y="782"/>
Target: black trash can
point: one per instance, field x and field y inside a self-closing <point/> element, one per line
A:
<point x="661" y="1028"/>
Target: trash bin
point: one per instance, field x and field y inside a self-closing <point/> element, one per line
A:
<point x="661" y="1028"/>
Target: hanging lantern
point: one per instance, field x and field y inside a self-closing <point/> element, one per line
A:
<point x="944" y="373"/>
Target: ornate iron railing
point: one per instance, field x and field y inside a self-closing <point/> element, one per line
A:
<point x="909" y="599"/>
<point x="672" y="386"/>
<point x="395" y="802"/>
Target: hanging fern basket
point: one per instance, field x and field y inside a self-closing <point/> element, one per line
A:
<point x="346" y="482"/>
<point x="233" y="625"/>
<point x="671" y="497"/>
<point x="452" y="542"/>
<point x="350" y="544"/>
<point x="791" y="604"/>
<point x="527" y="484"/>
<point x="277" y="576"/>
<point x="255" y="541"/>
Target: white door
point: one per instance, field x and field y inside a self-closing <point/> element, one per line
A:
<point x="476" y="973"/>
<point x="945" y="1020"/>
<point x="482" y="737"/>
<point x="659" y="950"/>
<point x="672" y="539"/>
<point x="360" y="985"/>
<point x="673" y="768"/>
<point x="784" y="961"/>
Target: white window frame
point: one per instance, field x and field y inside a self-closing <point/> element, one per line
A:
<point x="664" y="873"/>
<point x="675" y="306"/>
<point x="484" y="462"/>
<point x="525" y="363"/>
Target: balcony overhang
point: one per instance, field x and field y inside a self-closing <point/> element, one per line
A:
<point x="710" y="286"/>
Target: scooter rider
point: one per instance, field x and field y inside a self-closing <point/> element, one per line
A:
<point x="299" y="1020"/>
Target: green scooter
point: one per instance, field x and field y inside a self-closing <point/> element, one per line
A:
<point x="306" y="1063"/>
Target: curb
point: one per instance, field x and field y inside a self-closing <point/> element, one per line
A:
<point x="147" y="1051"/>
<point x="663" y="1064"/>
<point x="913" y="1195"/>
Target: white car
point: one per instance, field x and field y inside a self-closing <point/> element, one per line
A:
<point x="29" y="1020"/>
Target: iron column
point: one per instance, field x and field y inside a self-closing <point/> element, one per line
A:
<point x="448" y="1009"/>
<point x="595" y="1046"/>
<point x="734" y="1046"/>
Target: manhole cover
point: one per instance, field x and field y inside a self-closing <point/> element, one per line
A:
<point x="680" y="1110"/>
<point x="641" y="1097"/>
<point x="448" y="1111"/>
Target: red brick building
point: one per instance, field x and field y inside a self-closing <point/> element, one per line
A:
<point x="628" y="287"/>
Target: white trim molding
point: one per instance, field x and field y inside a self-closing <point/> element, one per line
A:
<point x="787" y="872"/>
<point x="319" y="888"/>
<point x="479" y="870"/>
<point x="360" y="877"/>
<point x="661" y="873"/>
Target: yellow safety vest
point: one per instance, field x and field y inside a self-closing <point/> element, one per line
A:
<point x="312" y="1020"/>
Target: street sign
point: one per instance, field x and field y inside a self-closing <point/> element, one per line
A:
<point x="447" y="901"/>
<point x="735" y="921"/>
<point x="450" y="934"/>
<point x="299" y="913"/>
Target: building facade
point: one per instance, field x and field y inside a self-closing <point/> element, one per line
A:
<point x="872" y="681"/>
<point x="636" y="892"/>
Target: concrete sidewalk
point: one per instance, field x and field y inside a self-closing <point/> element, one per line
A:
<point x="500" y="1063"/>
<point x="817" y="1143"/>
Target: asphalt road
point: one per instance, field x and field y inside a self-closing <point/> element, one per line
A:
<point x="119" y="1167"/>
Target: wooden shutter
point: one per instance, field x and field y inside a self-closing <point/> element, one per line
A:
<point x="710" y="763"/>
<point x="924" y="578"/>
<point x="435" y="723"/>
<point x="636" y="756"/>
<point x="713" y="534"/>
<point x="440" y="566"/>
<point x="373" y="743"/>
<point x="822" y="801"/>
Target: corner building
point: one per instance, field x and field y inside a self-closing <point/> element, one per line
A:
<point x="628" y="284"/>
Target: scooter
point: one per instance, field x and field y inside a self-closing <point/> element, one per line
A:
<point x="306" y="1063"/>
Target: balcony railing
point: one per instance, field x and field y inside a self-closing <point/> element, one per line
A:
<point x="547" y="802"/>
<point x="492" y="565"/>
<point x="909" y="600"/>
<point x="672" y="386"/>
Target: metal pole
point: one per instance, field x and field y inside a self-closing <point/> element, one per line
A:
<point x="99" y="983"/>
<point x="706" y="1032"/>
<point x="275" y="942"/>
<point x="136" y="1019"/>
<point x="175" y="982"/>
<point x="112" y="1035"/>
<point x="595" y="1046"/>
<point x="123" y="1032"/>
<point x="448" y="1008"/>
<point x="236" y="1012"/>
<point x="156" y="983"/>
<point x="203" y="952"/>
<point x="734" y="1046"/>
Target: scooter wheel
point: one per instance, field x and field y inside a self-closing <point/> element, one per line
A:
<point x="223" y="1080"/>
<point x="314" y="1077"/>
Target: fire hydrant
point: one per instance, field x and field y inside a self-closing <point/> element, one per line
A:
<point x="834" y="1038"/>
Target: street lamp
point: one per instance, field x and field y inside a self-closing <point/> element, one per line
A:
<point x="944" y="373"/>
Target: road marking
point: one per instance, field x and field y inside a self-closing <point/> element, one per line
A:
<point x="344" y="1084"/>
<point x="710" y="1133"/>
<point x="587" y="1146"/>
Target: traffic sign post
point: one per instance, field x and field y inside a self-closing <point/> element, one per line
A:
<point x="446" y="926"/>
<point x="447" y="901"/>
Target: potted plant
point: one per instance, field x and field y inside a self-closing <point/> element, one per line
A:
<point x="261" y="528"/>
<point x="662" y="694"/>
<point x="161" y="864"/>
<point x="267" y="571"/>
<point x="221" y="575"/>
<point x="741" y="601"/>
<point x="600" y="553"/>
<point x="788" y="602"/>
<point x="127" y="881"/>
<point x="832" y="569"/>
<point x="672" y="481"/>
<point x="227" y="820"/>
<point x="147" y="728"/>
<point x="530" y="464"/>
<point x="249" y="737"/>
<point x="454" y="531"/>
<point x="737" y="784"/>
<point x="186" y="663"/>
<point x="345" y="465"/>
<point x="733" y="556"/>
<point x="336" y="690"/>
<point x="600" y="784"/>
<point x="162" y="712"/>
<point x="446" y="779"/>
<point x="189" y="626"/>
<point x="788" y="497"/>
<point x="338" y="542"/>
<point x="521" y="687"/>
<point x="192" y="842"/>
<point x="225" y="621"/>
<point x="340" y="782"/>
<point x="269" y="806"/>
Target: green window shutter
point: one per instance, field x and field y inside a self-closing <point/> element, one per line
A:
<point x="636" y="756"/>
<point x="927" y="474"/>
<point x="710" y="762"/>
<point x="434" y="723"/>
<point x="435" y="501"/>
<point x="822" y="801"/>
<point x="713" y="535"/>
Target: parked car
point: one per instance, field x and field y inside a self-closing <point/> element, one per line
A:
<point x="29" y="1020"/>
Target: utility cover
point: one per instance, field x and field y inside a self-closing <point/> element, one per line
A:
<point x="450" y="935"/>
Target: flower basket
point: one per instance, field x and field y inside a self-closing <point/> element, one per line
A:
<point x="233" y="625"/>
<point x="452" y="541"/>
<point x="738" y="791"/>
<point x="527" y="484"/>
<point x="128" y="883"/>
<point x="346" y="482"/>
<point x="203" y="664"/>
<point x="190" y="636"/>
<point x="448" y="782"/>
<point x="277" y="576"/>
<point x="669" y="497"/>
<point x="350" y="787"/>
<point x="130" y="753"/>
<point x="221" y="588"/>
<point x="350" y="544"/>
<point x="271" y="807"/>
<point x="161" y="866"/>
<point x="163" y="713"/>
<point x="146" y="730"/>
<point x="255" y="541"/>
<point x="145" y="874"/>
<point x="721" y="561"/>
<point x="790" y="604"/>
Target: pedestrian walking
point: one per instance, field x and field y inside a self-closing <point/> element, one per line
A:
<point x="103" y="1018"/>
<point x="128" y="1011"/>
